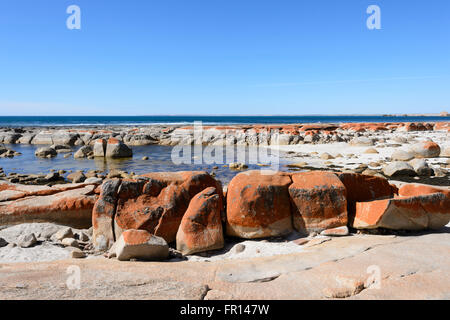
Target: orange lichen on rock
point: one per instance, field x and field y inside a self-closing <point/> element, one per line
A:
<point x="201" y="227"/>
<point x="319" y="201"/>
<point x="442" y="126"/>
<point x="72" y="207"/>
<point x="406" y="213"/>
<point x="155" y="202"/>
<point x="364" y="188"/>
<point x="258" y="204"/>
<point x="417" y="189"/>
<point x="136" y="237"/>
<point x="362" y="127"/>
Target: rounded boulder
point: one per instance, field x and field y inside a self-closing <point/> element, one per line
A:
<point x="201" y="227"/>
<point x="117" y="149"/>
<point x="319" y="201"/>
<point x="258" y="205"/>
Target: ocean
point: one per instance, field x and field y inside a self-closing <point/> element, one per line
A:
<point x="48" y="121"/>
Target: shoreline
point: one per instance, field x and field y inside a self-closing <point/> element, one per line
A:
<point x="327" y="271"/>
<point x="299" y="147"/>
<point x="388" y="162"/>
<point x="154" y="133"/>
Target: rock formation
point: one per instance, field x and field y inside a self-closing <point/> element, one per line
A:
<point x="69" y="204"/>
<point x="155" y="202"/>
<point x="201" y="227"/>
<point x="140" y="244"/>
<point x="319" y="201"/>
<point x="258" y="205"/>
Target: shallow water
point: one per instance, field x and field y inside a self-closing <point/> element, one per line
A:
<point x="160" y="159"/>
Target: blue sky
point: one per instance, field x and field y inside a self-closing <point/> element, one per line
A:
<point x="224" y="57"/>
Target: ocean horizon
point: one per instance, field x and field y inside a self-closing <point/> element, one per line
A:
<point x="63" y="121"/>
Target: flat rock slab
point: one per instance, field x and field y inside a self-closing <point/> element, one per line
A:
<point x="410" y="267"/>
<point x="311" y="257"/>
<point x="72" y="206"/>
<point x="35" y="190"/>
<point x="11" y="233"/>
<point x="41" y="252"/>
<point x="48" y="281"/>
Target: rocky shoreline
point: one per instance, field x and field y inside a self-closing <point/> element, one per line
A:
<point x="262" y="229"/>
<point x="405" y="151"/>
<point x="192" y="211"/>
<point x="364" y="182"/>
<point x="211" y="135"/>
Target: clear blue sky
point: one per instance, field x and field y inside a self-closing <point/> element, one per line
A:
<point x="224" y="57"/>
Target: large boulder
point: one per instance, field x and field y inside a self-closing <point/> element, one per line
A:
<point x="26" y="138"/>
<point x="117" y="149"/>
<point x="402" y="155"/>
<point x="140" y="244"/>
<point x="398" y="168"/>
<point x="362" y="187"/>
<point x="362" y="127"/>
<point x="426" y="149"/>
<point x="418" y="126"/>
<point x="139" y="139"/>
<point x="201" y="227"/>
<point x="7" y="153"/>
<point x="85" y="137"/>
<point x="442" y="126"/>
<point x="361" y="142"/>
<point x="166" y="197"/>
<point x="100" y="148"/>
<point x="45" y="152"/>
<point x="83" y="152"/>
<point x="421" y="167"/>
<point x="258" y="205"/>
<point x="43" y="137"/>
<point x="9" y="137"/>
<point x="319" y="201"/>
<point x="429" y="211"/>
<point x="155" y="202"/>
<point x="61" y="148"/>
<point x="76" y="177"/>
<point x="64" y="137"/>
<point x="103" y="215"/>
